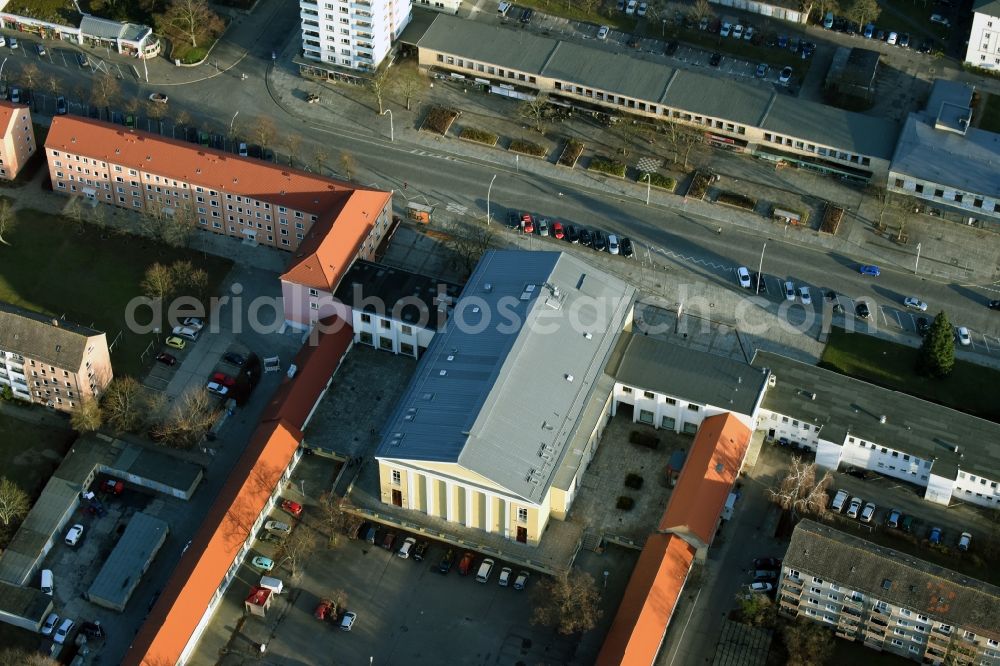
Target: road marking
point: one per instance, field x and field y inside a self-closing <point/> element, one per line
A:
<point x="457" y="208"/>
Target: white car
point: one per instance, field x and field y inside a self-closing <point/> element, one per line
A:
<point x="195" y="323"/>
<point x="804" y="295"/>
<point x="727" y="28"/>
<point x="505" y="576"/>
<point x="630" y="8"/>
<point x="602" y="32"/>
<point x="964" y="338"/>
<point x="217" y="389"/>
<point x="50" y="624"/>
<point x="74" y="535"/>
<point x="868" y="512"/>
<point x="642" y="9"/>
<point x="760" y="588"/>
<point x="743" y="275"/>
<point x="852" y="511"/>
<point x="915" y="303"/>
<point x="892" y="39"/>
<point x="789" y="291"/>
<point x="278" y="527"/>
<point x="738" y="31"/>
<point x="404" y="550"/>
<point x="521" y="581"/>
<point x="348" y="621"/>
<point x="785" y="76"/>
<point x="748" y="35"/>
<point x="64" y="631"/>
<point x="964" y="541"/>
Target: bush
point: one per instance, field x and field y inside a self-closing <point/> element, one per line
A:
<point x="625" y="503"/>
<point x="528" y="148"/>
<point x="439" y="120"/>
<point x="609" y="166"/>
<point x="571" y="153"/>
<point x="660" y="181"/>
<point x="737" y="200"/>
<point x="479" y="136"/>
<point x="832" y="217"/>
<point x="633" y="480"/>
<point x="699" y="185"/>
<point x="646" y="439"/>
<point x="194" y="55"/>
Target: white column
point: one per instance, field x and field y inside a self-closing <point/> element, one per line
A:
<point x="411" y="492"/>
<point x="505" y="517"/>
<point x="468" y="506"/>
<point x="449" y="501"/>
<point x="429" y="492"/>
<point x="489" y="512"/>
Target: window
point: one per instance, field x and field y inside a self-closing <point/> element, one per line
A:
<point x="397" y="477"/>
<point x="385" y="324"/>
<point x="818" y="581"/>
<point x="693" y="408"/>
<point x="670" y="401"/>
<point x="522" y="515"/>
<point x="406" y="330"/>
<point x="648" y="394"/>
<point x="314" y="292"/>
<point x="366" y="318"/>
<point x="626" y="389"/>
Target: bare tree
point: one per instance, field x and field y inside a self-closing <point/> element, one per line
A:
<point x="337" y="517"/>
<point x="105" y="90"/>
<point x="193" y="19"/>
<point x="348" y="165"/>
<point x="469" y="243"/>
<point x="569" y="602"/>
<point x="183" y="118"/>
<point x="702" y="9"/>
<point x="188" y="278"/>
<point x="409" y="81"/>
<point x="52" y="84"/>
<point x="321" y="156"/>
<point x="87" y="417"/>
<point x="298" y="547"/>
<point x="20" y="657"/>
<point x="124" y="404"/>
<point x="264" y="130"/>
<point x="379" y="85"/>
<point x="31" y="73"/>
<point x="189" y="418"/>
<point x="14" y="503"/>
<point x="808" y="643"/>
<point x="339" y="599"/>
<point x="74" y="211"/>
<point x="801" y="491"/>
<point x="536" y="111"/>
<point x="293" y="142"/>
<point x="627" y="131"/>
<point x="159" y="282"/>
<point x="172" y="225"/>
<point x="156" y="111"/>
<point x="8" y="220"/>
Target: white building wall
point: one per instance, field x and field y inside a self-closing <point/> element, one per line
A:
<point x="975" y="489"/>
<point x="443" y="6"/>
<point x="939" y="489"/>
<point x="828" y="454"/>
<point x="984" y="42"/>
<point x="668" y="412"/>
<point x="390" y="334"/>
<point x="353" y="34"/>
<point x="806" y="434"/>
<point x="978" y="205"/>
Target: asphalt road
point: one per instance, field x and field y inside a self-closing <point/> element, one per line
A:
<point x="670" y="234"/>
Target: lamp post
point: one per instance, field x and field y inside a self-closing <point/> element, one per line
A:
<point x="760" y="269"/>
<point x="663" y="31"/>
<point x="915" y="264"/>
<point x="488" y="191"/>
<point x="649" y="185"/>
<point x="517" y="163"/>
<point x="233" y="121"/>
<point x="392" y="132"/>
<point x="1" y="68"/>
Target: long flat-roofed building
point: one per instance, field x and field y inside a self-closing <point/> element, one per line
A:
<point x="509" y="402"/>
<point x="241" y="197"/>
<point x="850" y="422"/>
<point x="889" y="600"/>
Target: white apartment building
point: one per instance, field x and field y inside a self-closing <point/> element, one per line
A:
<point x="347" y="37"/>
<point x="984" y="40"/>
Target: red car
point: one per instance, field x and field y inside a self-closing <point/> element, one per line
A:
<point x="527" y="224"/>
<point x="223" y="380"/>
<point x="465" y="566"/>
<point x="291" y="507"/>
<point x="166" y="359"/>
<point x="324" y="610"/>
<point x="113" y="486"/>
<point x="558" y="231"/>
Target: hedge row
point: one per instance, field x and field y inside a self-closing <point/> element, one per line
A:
<point x="479" y="136"/>
<point x="608" y="166"/>
<point x="571" y="153"/>
<point x="528" y="148"/>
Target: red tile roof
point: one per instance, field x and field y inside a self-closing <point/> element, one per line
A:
<point x="650" y="598"/>
<point x="212" y="169"/>
<point x="175" y="617"/>
<point x="707" y="477"/>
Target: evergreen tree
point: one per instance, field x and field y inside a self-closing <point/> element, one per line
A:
<point x="937" y="353"/>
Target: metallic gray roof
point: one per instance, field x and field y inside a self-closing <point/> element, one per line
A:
<point x="35" y="335"/>
<point x="132" y="555"/>
<point x="989" y="7"/>
<point x="970" y="163"/>
<point x="895" y="577"/>
<point x="660" y="366"/>
<point x="500" y="390"/>
<point x="844" y="405"/>
<point x="94" y="26"/>
<point x="632" y="75"/>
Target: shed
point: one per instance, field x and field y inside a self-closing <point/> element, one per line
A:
<point x="122" y="571"/>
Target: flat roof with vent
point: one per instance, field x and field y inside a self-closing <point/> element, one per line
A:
<point x="368" y="283"/>
<point x="894" y="577"/>
<point x="844" y="406"/>
<point x="501" y="392"/>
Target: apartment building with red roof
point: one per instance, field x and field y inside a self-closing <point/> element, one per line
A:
<point x="324" y="221"/>
<point x="17" y="139"/>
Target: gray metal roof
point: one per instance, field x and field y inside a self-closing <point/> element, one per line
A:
<point x="500" y="390"/>
<point x="123" y="569"/>
<point x="660" y="366"/>
<point x="42" y="337"/>
<point x="912" y="426"/>
<point x="897" y="578"/>
<point x="382" y="287"/>
<point x="27" y="602"/>
<point x="92" y="26"/>
<point x="988" y="7"/>
<point x="632" y="75"/>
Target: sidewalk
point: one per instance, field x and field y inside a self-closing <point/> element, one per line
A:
<point x="948" y="251"/>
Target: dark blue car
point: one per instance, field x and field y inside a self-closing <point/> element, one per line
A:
<point x="866" y="269"/>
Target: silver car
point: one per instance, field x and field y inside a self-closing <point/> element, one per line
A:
<point x="852" y="511"/>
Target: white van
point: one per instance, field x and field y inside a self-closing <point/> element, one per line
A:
<point x="273" y="584"/>
<point x="503" y="8"/>
<point x="485" y="569"/>
<point x="186" y="332"/>
<point x="47" y="581"/>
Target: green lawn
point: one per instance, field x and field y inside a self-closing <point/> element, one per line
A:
<point x="990" y="118"/>
<point x="969" y="388"/>
<point x="51" y="267"/>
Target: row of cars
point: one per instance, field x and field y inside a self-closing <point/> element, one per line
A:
<point x="596" y="239"/>
<point x="895" y="519"/>
<point x="871" y="31"/>
<point x="765" y="572"/>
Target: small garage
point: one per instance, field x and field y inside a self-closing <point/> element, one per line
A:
<point x="131" y="557"/>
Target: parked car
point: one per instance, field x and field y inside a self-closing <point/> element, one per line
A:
<point x="600" y="241"/>
<point x="323" y="610"/>
<point x="234" y="359"/>
<point x="737" y="32"/>
<point x="223" y="379"/>
<point x="964" y="541"/>
<point x="613" y="246"/>
<point x="765" y="574"/>
<point x="348" y="620"/>
<point x="50" y="624"/>
<point x="218" y="389"/>
<point x="526" y="16"/>
<point x="671" y="47"/>
<point x="892" y="39"/>
<point x="505" y="576"/>
<point x="935" y="535"/>
<point x="602" y="32"/>
<point x="527" y="224"/>
<point x="82" y="59"/>
<point x="869" y="31"/>
<point x="963" y="336"/>
<point x="543" y="226"/>
<point x="923" y="325"/>
<point x="521" y="580"/>
<point x="854" y="508"/>
<point x="743" y="276"/>
<point x="406" y="549"/>
<point x="194" y="323"/>
<point x="760" y="587"/>
<point x="915" y="303"/>
<point x="789" y="291"/>
<point x="444" y="566"/>
<point x="388" y="540"/>
<point x="294" y="508"/>
<point x="113" y="486"/>
<point x="862" y="311"/>
<point x="630" y="7"/>
<point x="64" y="630"/>
<point x="993" y="305"/>
<point x="785" y="76"/>
<point x="762" y="69"/>
<point x="767" y="563"/>
<point x="93" y="629"/>
<point x="74" y="535"/>
<point x="572" y="235"/>
<point x="586" y="238"/>
<point x="175" y="342"/>
<point x="760" y="283"/>
<point x="485" y="569"/>
<point x="626" y="247"/>
<point x="805" y="296"/>
<point x="15" y="95"/>
<point x="894" y="517"/>
<point x="748" y="35"/>
<point x="40" y="49"/>
<point x="941" y="20"/>
<point x="641" y="11"/>
<point x="166" y="359"/>
<point x="726" y="30"/>
<point x="904" y="41"/>
<point x="61" y="107"/>
<point x="558" y="231"/>
<point x="828" y="21"/>
<point x="13" y="42"/>
<point x="466" y="564"/>
<point x="839" y="501"/>
<point x="420" y="551"/>
<point x="715" y="59"/>
<point x="868" y="512"/>
<point x="278" y="527"/>
<point x="263" y="563"/>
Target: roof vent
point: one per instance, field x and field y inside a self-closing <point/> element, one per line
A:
<point x="886" y="584"/>
<point x="881" y="419"/>
<point x="475" y="309"/>
<point x="292" y="369"/>
<point x="488" y="287"/>
<point x="719" y="467"/>
<point x="149" y="158"/>
<point x="772" y="380"/>
<point x="568" y="377"/>
<point x="588" y="335"/>
<point x="118" y="151"/>
<point x="451" y="357"/>
<point x="442" y="373"/>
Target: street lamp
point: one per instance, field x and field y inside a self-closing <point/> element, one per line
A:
<point x="392" y="132"/>
<point x="1" y="68"/>
<point x="649" y="185"/>
<point x="760" y="269"/>
<point x="917" y="262"/>
<point x="231" y="122"/>
<point x="663" y="31"/>
<point x="488" y="190"/>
